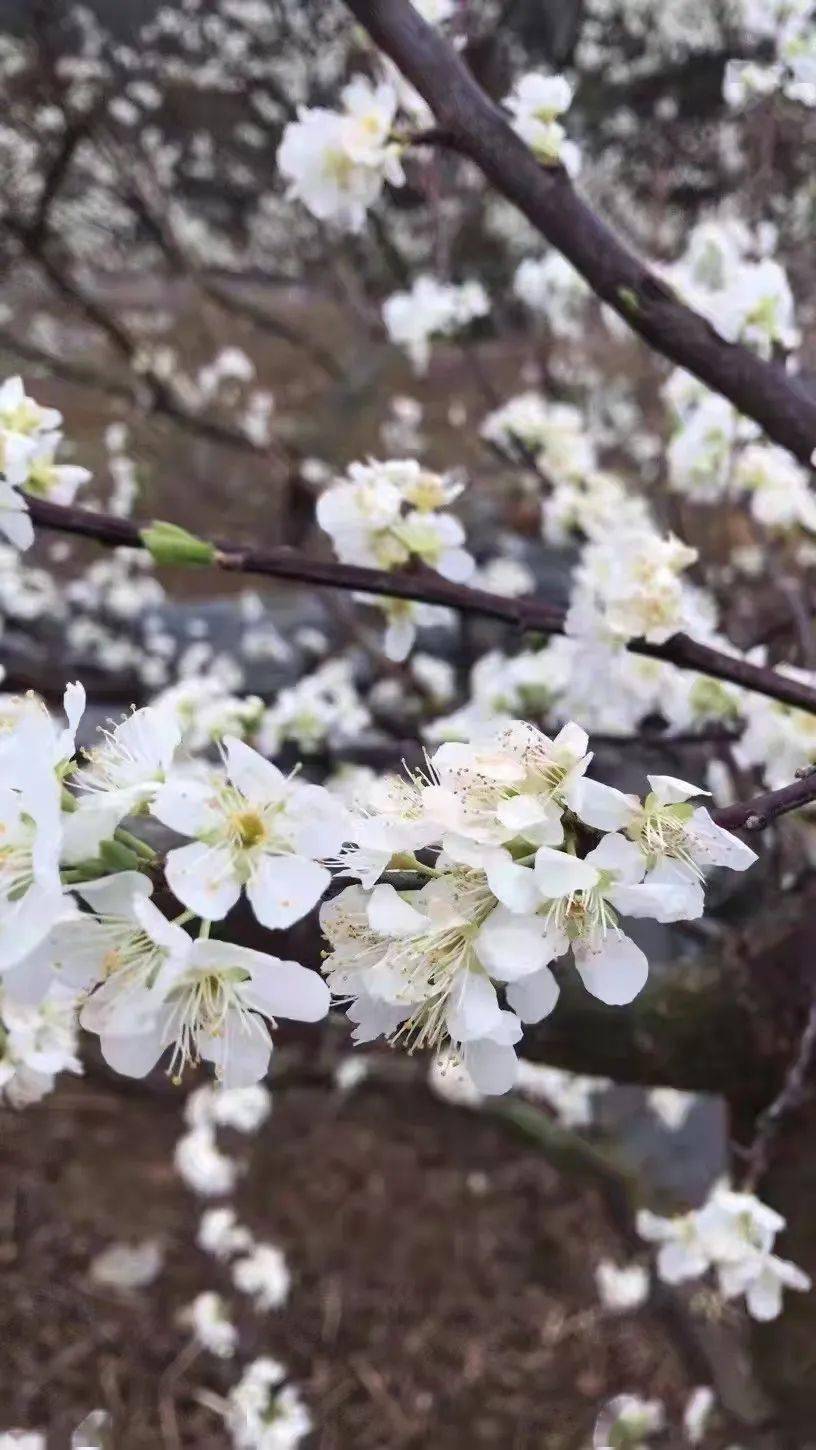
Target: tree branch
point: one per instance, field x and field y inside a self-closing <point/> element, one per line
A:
<point x="527" y="614"/>
<point x="756" y="814"/>
<point x="470" y="122"/>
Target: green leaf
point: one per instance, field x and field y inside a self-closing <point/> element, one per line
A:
<point x="170" y="544"/>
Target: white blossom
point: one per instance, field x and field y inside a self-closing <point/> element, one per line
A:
<point x="203" y="1167"/>
<point x="220" y="1234"/>
<point x="535" y="103"/>
<point x="734" y="1234"/>
<point x="621" y="1288"/>
<point x="254" y="829"/>
<point x="432" y="309"/>
<point x="337" y="162"/>
<point x="208" y="1319"/>
<point x="263" y="1274"/>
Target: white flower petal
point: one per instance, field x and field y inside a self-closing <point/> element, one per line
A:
<point x="133" y="1054"/>
<point x="203" y="879"/>
<point x="115" y="895"/>
<point x="186" y="805"/>
<point x="665" y="902"/>
<point x="510" y="946"/>
<point x="256" y="778"/>
<point x="390" y="915"/>
<point x="240" y="1053"/>
<point x="492" y="1066"/>
<point x="474" y="1007"/>
<point x="282" y="889"/>
<point x="535" y="996"/>
<point x="599" y="805"/>
<point x="671" y="791"/>
<point x="714" y="846"/>
<point x="611" y="967"/>
<point x="619" y="856"/>
<point x="559" y="874"/>
<point x="515" y="886"/>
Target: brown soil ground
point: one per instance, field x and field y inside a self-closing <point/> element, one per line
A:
<point x="442" y="1275"/>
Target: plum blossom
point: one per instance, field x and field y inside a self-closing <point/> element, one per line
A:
<point x="29" y="440"/>
<point x="632" y="588"/>
<point x="211" y="1326"/>
<point x="410" y="963"/>
<point x="58" y="482"/>
<point x="220" y="1234"/>
<point x="430" y="309"/>
<point x="263" y="1274"/>
<point x="697" y="1413"/>
<point x="534" y="104"/>
<point x="263" y="1413"/>
<point x="255" y="829"/>
<point x="213" y="1005"/>
<point x="203" y="1166"/>
<point x="554" y="433"/>
<point x="32" y="899"/>
<point x="628" y="1421"/>
<point x="383" y="514"/>
<point x="679" y="841"/>
<point x="778" y="489"/>
<point x="515" y="782"/>
<point x="551" y="286"/>
<point x="337" y="162"/>
<point x="24" y="426"/>
<point x="119" y="777"/>
<point x="734" y="1234"/>
<point x="621" y="1288"/>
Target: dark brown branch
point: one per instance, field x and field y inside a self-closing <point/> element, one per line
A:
<point x="470" y="122"/>
<point x="756" y="814"/>
<point x="527" y="614"/>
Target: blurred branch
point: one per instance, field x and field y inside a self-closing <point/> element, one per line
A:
<point x="153" y="212"/>
<point x="469" y="121"/>
<point x="160" y="398"/>
<point x="791" y="1097"/>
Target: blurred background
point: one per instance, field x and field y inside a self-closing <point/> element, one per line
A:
<point x="218" y="356"/>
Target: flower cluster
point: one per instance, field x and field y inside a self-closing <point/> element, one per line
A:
<point x="792" y="72"/>
<point x="733" y="1233"/>
<point x="715" y="455"/>
<point x="523" y="857"/>
<point x="630" y="586"/>
<point x="466" y="958"/>
<point x="144" y="983"/>
<point x="383" y="515"/>
<point x="727" y="274"/>
<point x="265" y="1413"/>
<point x="430" y="309"/>
<point x="337" y="162"/>
<point x="535" y="103"/>
<point x="551" y="286"/>
<point x="552" y="434"/>
<point x="29" y="439"/>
